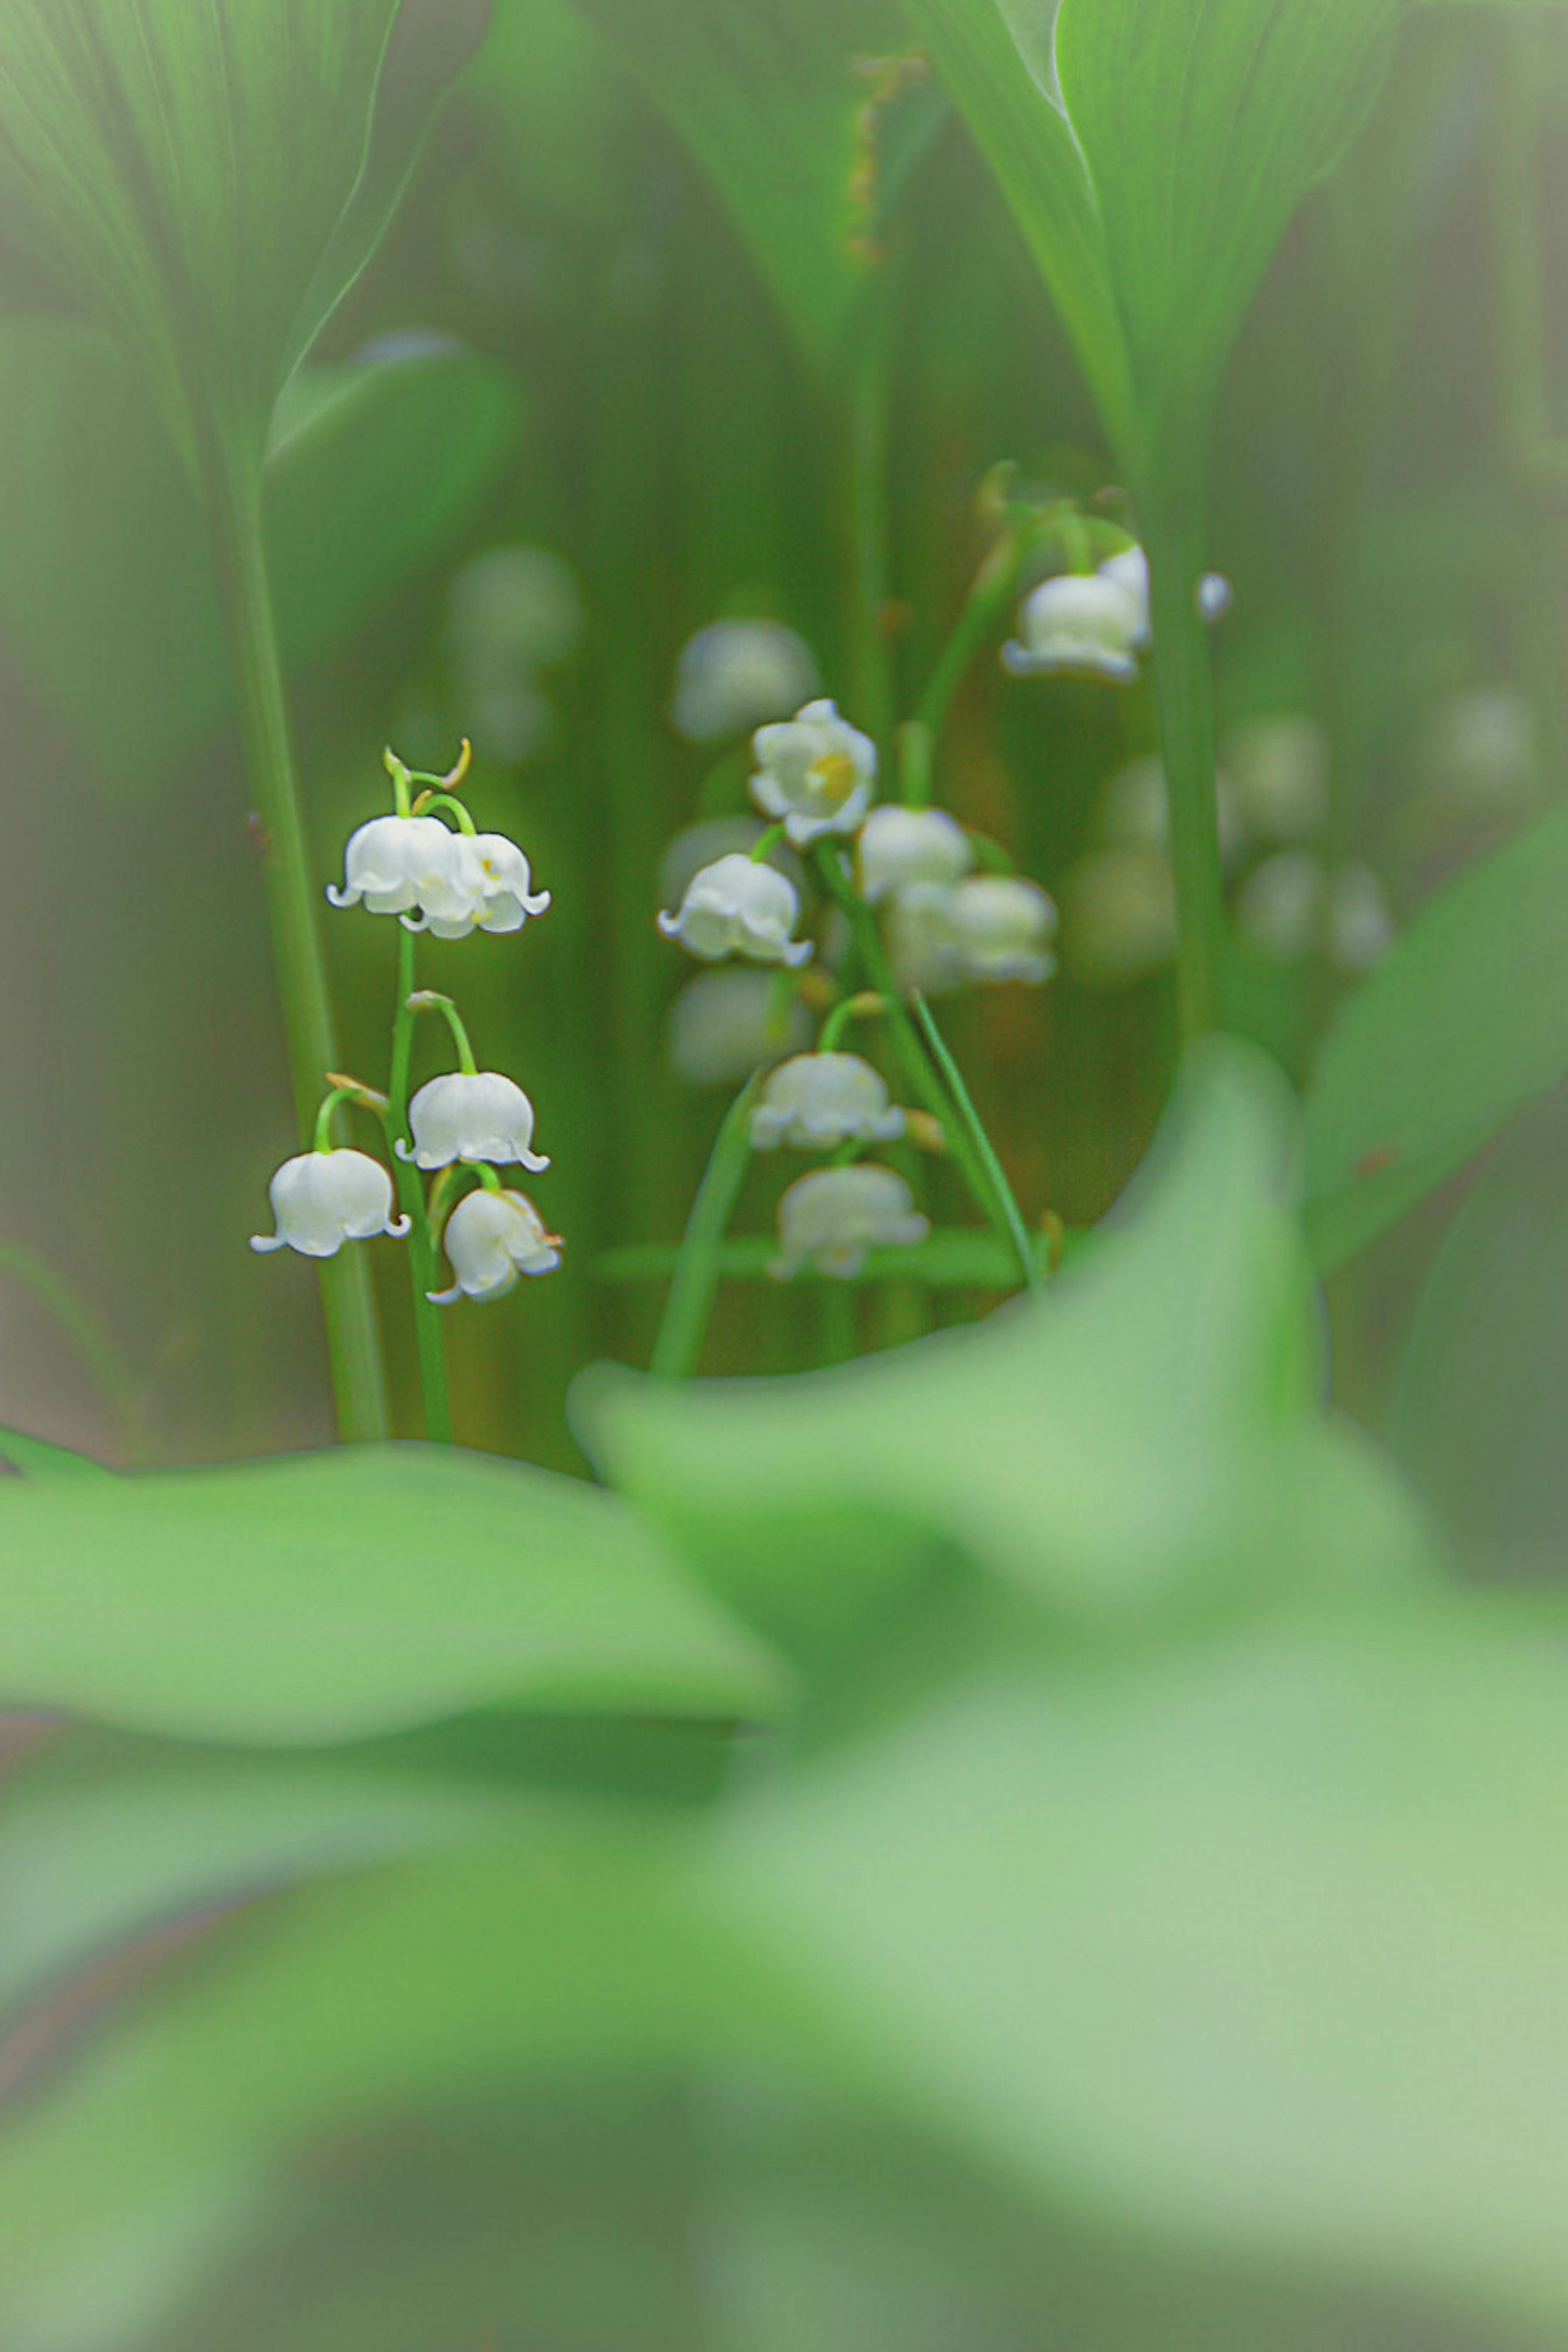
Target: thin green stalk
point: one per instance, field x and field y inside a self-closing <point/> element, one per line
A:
<point x="919" y="1075"/>
<point x="1011" y="1214"/>
<point x="988" y="599"/>
<point x="87" y="1334"/>
<point x="234" y="520"/>
<point x="424" y="1264"/>
<point x="696" y="1280"/>
<point x="872" y="681"/>
<point x="1173" y="524"/>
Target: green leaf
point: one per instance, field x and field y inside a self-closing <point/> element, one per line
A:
<point x="334" y="1596"/>
<point x="183" y="171"/>
<point x="106" y="602"/>
<point x="36" y="1458"/>
<point x="766" y="95"/>
<point x="1259" y="1944"/>
<point x="1464" y="1020"/>
<point x="1146" y="1431"/>
<point x="1478" y="1422"/>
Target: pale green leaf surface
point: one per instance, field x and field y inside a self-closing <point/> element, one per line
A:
<point x="766" y="96"/>
<point x="338" y="1595"/>
<point x="1464" y="1020"/>
<point x="183" y="166"/>
<point x="36" y="1458"/>
<point x="1122" y="1443"/>
<point x="1262" y="1944"/>
<point x="106" y="599"/>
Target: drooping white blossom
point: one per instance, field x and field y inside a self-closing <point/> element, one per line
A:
<point x="493" y="889"/>
<point x="471" y="1116"/>
<point x="1360" y="920"/>
<point x="834" y="1217"/>
<point x="1002" y="927"/>
<point x="737" y="907"/>
<point x="725" y="1023"/>
<point x="1212" y="596"/>
<point x="733" y="674"/>
<point x="900" y="847"/>
<point x="1278" y="765"/>
<point x="491" y="1238"/>
<point x="1088" y="622"/>
<point x="815" y="773"/>
<point x="1281" y="909"/>
<point x="322" y="1199"/>
<point x="816" y="1101"/>
<point x="395" y="864"/>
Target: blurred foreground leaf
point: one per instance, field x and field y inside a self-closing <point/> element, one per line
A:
<point x="106" y="597"/>
<point x="1261" y="1943"/>
<point x="1465" y="1020"/>
<point x="334" y="1596"/>
<point x="1145" y="1433"/>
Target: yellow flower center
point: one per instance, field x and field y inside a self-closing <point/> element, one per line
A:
<point x="833" y="778"/>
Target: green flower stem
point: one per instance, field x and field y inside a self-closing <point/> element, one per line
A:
<point x="696" y="1280"/>
<point x="235" y="522"/>
<point x="1172" y="538"/>
<point x="995" y="584"/>
<point x="429" y="801"/>
<point x="872" y="681"/>
<point x="766" y="843"/>
<point x="430" y="1000"/>
<point x="424" y="1258"/>
<point x="863" y="1006"/>
<point x="1011" y="1213"/>
<point x="919" y="1075"/>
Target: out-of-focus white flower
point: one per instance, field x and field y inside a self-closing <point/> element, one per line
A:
<point x="737" y="907"/>
<point x="1119" y="915"/>
<point x="1002" y="927"/>
<point x="733" y="674"/>
<point x="471" y="1116"/>
<point x="1281" y="904"/>
<point x="814" y="772"/>
<point x="1079" y="621"/>
<point x="921" y="947"/>
<point x="322" y="1199"/>
<point x="1278" y="770"/>
<point x="516" y="606"/>
<point x="725" y="1023"/>
<point x="397" y="862"/>
<point x="819" y="1100"/>
<point x="490" y="1239"/>
<point x="1479" y="753"/>
<point x="900" y="847"/>
<point x="1213" y="595"/>
<point x="1138" y="811"/>
<point x="834" y="1217"/>
<point x="714" y="838"/>
<point x="1360" y="919"/>
<point x="1216" y="595"/>
<point x="493" y="889"/>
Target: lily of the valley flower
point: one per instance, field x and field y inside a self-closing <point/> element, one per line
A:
<point x="736" y="906"/>
<point x="724" y="1024"/>
<point x="492" y="883"/>
<point x="815" y="773"/>
<point x="491" y="1238"/>
<point x="733" y="674"/>
<point x="1002" y="927"/>
<point x="397" y="863"/>
<point x="1079" y="622"/>
<point x="322" y="1199"/>
<point x="902" y="847"/>
<point x="471" y="1116"/>
<point x="818" y="1100"/>
<point x="834" y="1217"/>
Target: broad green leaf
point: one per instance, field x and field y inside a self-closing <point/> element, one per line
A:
<point x="106" y="602"/>
<point x="1464" y="1020"/>
<point x="337" y="1595"/>
<point x="577" y="1945"/>
<point x="1144" y="1432"/>
<point x="767" y="96"/>
<point x="1480" y="1413"/>
<point x="1202" y="124"/>
<point x="184" y="171"/>
<point x="1260" y="1943"/>
<point x="36" y="1458"/>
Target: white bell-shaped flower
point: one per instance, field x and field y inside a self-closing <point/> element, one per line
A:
<point x="1281" y="907"/>
<point x="900" y="847"/>
<point x="834" y="1217"/>
<point x="819" y="1100"/>
<point x="474" y="1115"/>
<point x="492" y="889"/>
<point x="1360" y="920"/>
<point x="724" y="1024"/>
<point x="1212" y="595"/>
<point x="397" y="862"/>
<point x="734" y="674"/>
<point x="815" y="773"/>
<point x="922" y="946"/>
<point x="1002" y="926"/>
<point x="322" y="1199"/>
<point x="1279" y="765"/>
<point x="1077" y="622"/>
<point x="490" y="1239"/>
<point x="737" y="907"/>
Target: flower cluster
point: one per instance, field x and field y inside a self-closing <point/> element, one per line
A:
<point x="449" y="880"/>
